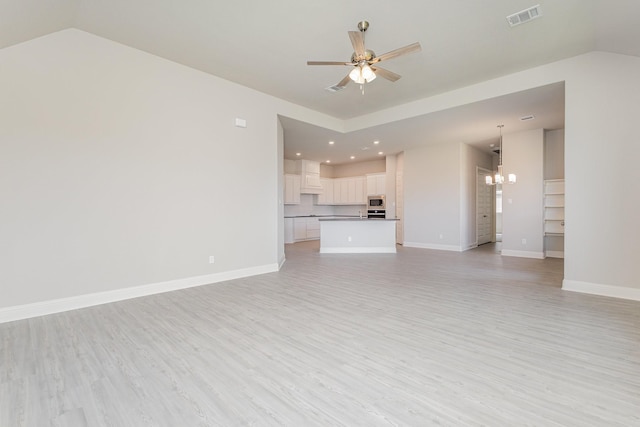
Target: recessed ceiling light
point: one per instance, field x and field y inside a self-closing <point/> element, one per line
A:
<point x="298" y="154"/>
<point x="492" y="145"/>
<point x="328" y="161"/>
<point x="376" y="142"/>
<point x="352" y="157"/>
<point x="365" y="148"/>
<point x="380" y="153"/>
<point x="331" y="142"/>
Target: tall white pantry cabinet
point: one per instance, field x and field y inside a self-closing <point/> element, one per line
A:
<point x="554" y="207"/>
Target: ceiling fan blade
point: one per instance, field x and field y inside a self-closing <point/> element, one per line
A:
<point x="358" y="43"/>
<point x="328" y="63"/>
<point x="389" y="75"/>
<point x="343" y="82"/>
<point x="415" y="47"/>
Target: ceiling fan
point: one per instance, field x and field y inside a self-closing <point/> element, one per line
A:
<point x="364" y="61"/>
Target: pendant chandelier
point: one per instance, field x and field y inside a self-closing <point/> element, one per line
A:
<point x="499" y="176"/>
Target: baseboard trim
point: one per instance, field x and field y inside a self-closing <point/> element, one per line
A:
<point x="554" y="254"/>
<point x="10" y="314"/>
<point x="282" y="261"/>
<point x="469" y="247"/>
<point x="522" y="254"/>
<point x="359" y="250"/>
<point x="602" y="290"/>
<point x="452" y="248"/>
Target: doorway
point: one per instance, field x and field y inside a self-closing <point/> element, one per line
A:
<point x="485" y="218"/>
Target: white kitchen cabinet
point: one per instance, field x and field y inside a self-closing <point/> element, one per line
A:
<point x="304" y="228"/>
<point x="554" y="207"/>
<point x="340" y="191"/>
<point x="310" y="176"/>
<point x="376" y="184"/>
<point x="291" y="189"/>
<point x="326" y="197"/>
<point x="343" y="191"/>
<point x="349" y="191"/>
<point x="299" y="229"/>
<point x="338" y="196"/>
<point x="361" y="190"/>
<point x="313" y="228"/>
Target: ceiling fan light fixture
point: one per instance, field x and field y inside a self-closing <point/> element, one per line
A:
<point x="356" y="75"/>
<point x="367" y="73"/>
<point x="362" y="73"/>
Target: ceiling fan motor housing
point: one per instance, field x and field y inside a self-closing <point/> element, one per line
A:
<point x="368" y="56"/>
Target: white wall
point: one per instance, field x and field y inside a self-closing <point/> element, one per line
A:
<point x="390" y="185"/>
<point x="432" y="197"/>
<point x="121" y="173"/>
<point x="346" y="170"/>
<point x="400" y="198"/>
<point x="522" y="207"/>
<point x="440" y="196"/>
<point x="280" y="194"/>
<point x="602" y="149"/>
<point x="554" y="154"/>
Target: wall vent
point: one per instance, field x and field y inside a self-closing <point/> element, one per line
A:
<point x="529" y="117"/>
<point x="334" y="88"/>
<point x="524" y="15"/>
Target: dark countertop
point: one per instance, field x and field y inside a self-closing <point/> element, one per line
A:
<point x="323" y="216"/>
<point x="333" y="218"/>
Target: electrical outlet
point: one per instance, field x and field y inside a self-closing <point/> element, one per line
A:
<point x="441" y="236"/>
<point x="349" y="239"/>
<point x="212" y="259"/>
<point x="524" y="241"/>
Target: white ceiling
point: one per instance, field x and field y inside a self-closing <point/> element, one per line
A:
<point x="265" y="45"/>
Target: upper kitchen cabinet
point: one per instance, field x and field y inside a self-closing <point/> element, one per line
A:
<point x="343" y="191"/>
<point x="291" y="189"/>
<point x="376" y="184"/>
<point x="326" y="197"/>
<point x="310" y="176"/>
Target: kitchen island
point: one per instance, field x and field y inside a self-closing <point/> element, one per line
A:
<point x="357" y="235"/>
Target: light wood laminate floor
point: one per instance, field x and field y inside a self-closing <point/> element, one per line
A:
<point x="416" y="338"/>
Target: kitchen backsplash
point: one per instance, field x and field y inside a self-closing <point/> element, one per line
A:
<point x="306" y="207"/>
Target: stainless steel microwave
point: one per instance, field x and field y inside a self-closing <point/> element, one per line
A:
<point x="375" y="202"/>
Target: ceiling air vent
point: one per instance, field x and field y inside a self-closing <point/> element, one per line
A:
<point x="334" y="88"/>
<point x="526" y="118"/>
<point x="524" y="15"/>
